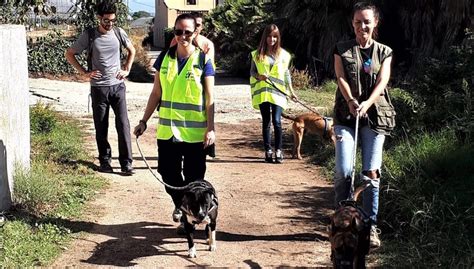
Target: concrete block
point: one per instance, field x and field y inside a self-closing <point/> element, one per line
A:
<point x="14" y="109"/>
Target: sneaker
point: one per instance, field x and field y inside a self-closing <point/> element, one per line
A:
<point x="128" y="170"/>
<point x="268" y="156"/>
<point x="180" y="229"/>
<point x="177" y="213"/>
<point x="374" y="237"/>
<point x="278" y="156"/>
<point x="105" y="168"/>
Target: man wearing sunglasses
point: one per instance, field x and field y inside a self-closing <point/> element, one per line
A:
<point x="200" y="41"/>
<point x="106" y="74"/>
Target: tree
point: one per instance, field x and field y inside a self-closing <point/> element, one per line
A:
<point x="140" y="14"/>
<point x="16" y="11"/>
<point x="235" y="27"/>
<point x="84" y="12"/>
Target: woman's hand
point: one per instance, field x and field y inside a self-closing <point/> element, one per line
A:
<point x="209" y="138"/>
<point x="363" y="107"/>
<point x="140" y="128"/>
<point x="294" y="97"/>
<point x="261" y="77"/>
<point x="353" y="106"/>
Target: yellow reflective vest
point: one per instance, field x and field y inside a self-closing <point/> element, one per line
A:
<point x="264" y="91"/>
<point x="183" y="104"/>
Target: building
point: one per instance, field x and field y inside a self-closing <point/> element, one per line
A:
<point x="166" y="12"/>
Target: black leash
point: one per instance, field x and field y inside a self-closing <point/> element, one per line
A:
<point x="296" y="101"/>
<point x="156" y="176"/>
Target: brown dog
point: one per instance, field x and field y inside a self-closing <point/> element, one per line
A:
<point x="313" y="123"/>
<point x="349" y="234"/>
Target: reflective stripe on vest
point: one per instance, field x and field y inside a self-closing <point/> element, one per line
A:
<point x="183" y="106"/>
<point x="263" y="91"/>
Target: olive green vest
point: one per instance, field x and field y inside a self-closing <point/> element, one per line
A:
<point x="381" y="114"/>
<point x="183" y="105"/>
<point x="274" y="90"/>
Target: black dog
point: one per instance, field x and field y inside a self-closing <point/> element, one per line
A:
<point x="349" y="234"/>
<point x="200" y="207"/>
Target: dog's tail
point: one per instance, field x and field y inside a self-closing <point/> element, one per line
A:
<point x="360" y="189"/>
<point x="287" y="116"/>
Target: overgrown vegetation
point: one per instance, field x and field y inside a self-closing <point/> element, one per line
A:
<point x="58" y="184"/>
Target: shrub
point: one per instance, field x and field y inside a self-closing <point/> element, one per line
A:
<point x="42" y="119"/>
<point x="46" y="55"/>
<point x="140" y="71"/>
<point x="301" y="79"/>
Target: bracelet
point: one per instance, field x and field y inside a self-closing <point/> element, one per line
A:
<point x="351" y="100"/>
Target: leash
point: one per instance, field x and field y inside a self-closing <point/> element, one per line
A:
<point x="356" y="132"/>
<point x="153" y="173"/>
<point x="89" y="103"/>
<point x="296" y="101"/>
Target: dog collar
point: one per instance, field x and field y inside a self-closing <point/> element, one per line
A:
<point x="326" y="127"/>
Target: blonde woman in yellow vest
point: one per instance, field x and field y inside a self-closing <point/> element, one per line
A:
<point x="362" y="68"/>
<point x="183" y="90"/>
<point x="270" y="83"/>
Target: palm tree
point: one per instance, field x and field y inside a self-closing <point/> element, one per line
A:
<point x="315" y="27"/>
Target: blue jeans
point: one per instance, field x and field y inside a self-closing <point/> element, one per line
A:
<point x="372" y="148"/>
<point x="265" y="109"/>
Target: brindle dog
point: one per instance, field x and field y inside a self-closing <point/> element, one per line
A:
<point x="349" y="234"/>
<point x="313" y="123"/>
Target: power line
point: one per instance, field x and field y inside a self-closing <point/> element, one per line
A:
<point x="146" y="5"/>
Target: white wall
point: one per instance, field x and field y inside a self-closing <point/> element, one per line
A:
<point x="14" y="108"/>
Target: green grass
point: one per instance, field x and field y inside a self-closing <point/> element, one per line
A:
<point x="56" y="188"/>
<point x="427" y="206"/>
<point x="321" y="97"/>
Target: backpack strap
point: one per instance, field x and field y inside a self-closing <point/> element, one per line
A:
<point x="119" y="36"/>
<point x="91" y="36"/>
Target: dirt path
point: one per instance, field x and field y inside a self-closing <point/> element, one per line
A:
<point x="269" y="214"/>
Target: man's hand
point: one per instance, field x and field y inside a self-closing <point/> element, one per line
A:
<point x="140" y="128"/>
<point x="209" y="138"/>
<point x="122" y="74"/>
<point x="95" y="74"/>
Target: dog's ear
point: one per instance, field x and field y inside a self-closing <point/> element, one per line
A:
<point x="357" y="224"/>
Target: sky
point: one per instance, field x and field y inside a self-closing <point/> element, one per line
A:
<point x="141" y="5"/>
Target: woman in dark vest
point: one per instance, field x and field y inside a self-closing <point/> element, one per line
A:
<point x="362" y="68"/>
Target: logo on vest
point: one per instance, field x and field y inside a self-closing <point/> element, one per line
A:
<point x="164" y="70"/>
<point x="189" y="75"/>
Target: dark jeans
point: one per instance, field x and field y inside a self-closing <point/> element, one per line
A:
<point x="176" y="159"/>
<point x="265" y="109"/>
<point x="104" y="97"/>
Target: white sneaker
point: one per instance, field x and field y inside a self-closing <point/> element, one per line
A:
<point x="268" y="156"/>
<point x="278" y="156"/>
<point x="177" y="214"/>
<point x="374" y="237"/>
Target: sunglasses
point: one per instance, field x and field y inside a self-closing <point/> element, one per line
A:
<point x="179" y="32"/>
<point x="107" y="21"/>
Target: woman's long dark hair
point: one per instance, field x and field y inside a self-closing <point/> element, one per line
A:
<point x="263" y="48"/>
